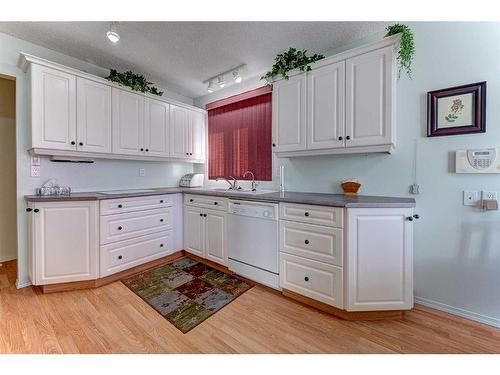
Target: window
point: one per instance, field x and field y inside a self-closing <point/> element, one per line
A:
<point x="239" y="135"/>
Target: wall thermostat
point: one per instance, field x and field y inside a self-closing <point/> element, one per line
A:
<point x="477" y="161"/>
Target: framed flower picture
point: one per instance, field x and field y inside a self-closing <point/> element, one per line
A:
<point x="457" y="110"/>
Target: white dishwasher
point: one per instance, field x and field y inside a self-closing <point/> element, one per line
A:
<point x="252" y="229"/>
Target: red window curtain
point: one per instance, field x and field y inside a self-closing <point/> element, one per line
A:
<point x="239" y="136"/>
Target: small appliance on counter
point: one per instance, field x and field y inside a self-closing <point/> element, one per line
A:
<point x="192" y="180"/>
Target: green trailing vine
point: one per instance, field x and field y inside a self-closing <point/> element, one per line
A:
<point x="135" y="81"/>
<point x="289" y="60"/>
<point x="406" y="47"/>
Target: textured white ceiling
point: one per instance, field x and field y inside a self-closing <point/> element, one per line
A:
<point x="181" y="55"/>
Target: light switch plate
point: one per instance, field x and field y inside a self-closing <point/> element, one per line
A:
<point x="471" y="198"/>
<point x="35" y="171"/>
<point x="35" y="160"/>
<point x="142" y="172"/>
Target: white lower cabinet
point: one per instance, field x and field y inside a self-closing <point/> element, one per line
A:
<point x="316" y="280"/>
<point x="122" y="255"/>
<point x="205" y="230"/>
<point x="364" y="265"/>
<point x="379" y="259"/>
<point x="64" y="241"/>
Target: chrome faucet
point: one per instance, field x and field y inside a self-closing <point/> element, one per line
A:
<point x="254" y="183"/>
<point x="232" y="185"/>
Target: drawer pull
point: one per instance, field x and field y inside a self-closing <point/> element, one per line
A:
<point x="306" y="279"/>
<point x="36" y="210"/>
<point x="205" y="215"/>
<point x="306" y="242"/>
<point x="161" y="201"/>
<point x="161" y="220"/>
<point x="29" y="209"/>
<point x="216" y="203"/>
<point x="161" y="245"/>
<point x="306" y="214"/>
<point x="120" y="228"/>
<point x="120" y="206"/>
<point x="191" y="200"/>
<point x="120" y="257"/>
<point x="201" y="214"/>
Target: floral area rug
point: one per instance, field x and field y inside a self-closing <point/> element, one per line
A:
<point x="186" y="292"/>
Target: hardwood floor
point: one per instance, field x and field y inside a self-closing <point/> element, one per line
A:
<point x="112" y="319"/>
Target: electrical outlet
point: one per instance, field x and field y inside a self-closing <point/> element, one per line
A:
<point x="471" y="198"/>
<point x="35" y="160"/>
<point x="142" y="172"/>
<point x="489" y="195"/>
<point x="35" y="171"/>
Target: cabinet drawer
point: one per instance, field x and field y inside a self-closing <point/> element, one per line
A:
<point x="315" y="242"/>
<point x="123" y="255"/>
<point x="316" y="280"/>
<point x="205" y="201"/>
<point x="124" y="226"/>
<point x="119" y="206"/>
<point x="322" y="215"/>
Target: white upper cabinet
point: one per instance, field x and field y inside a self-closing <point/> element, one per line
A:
<point x="289" y="114"/>
<point x="53" y="111"/>
<point x="74" y="113"/>
<point x="179" y="132"/>
<point x="197" y="136"/>
<point x="93" y="116"/>
<point x="156" y="128"/>
<point x="344" y="104"/>
<point x="325" y="107"/>
<point x="369" y="98"/>
<point x="128" y="123"/>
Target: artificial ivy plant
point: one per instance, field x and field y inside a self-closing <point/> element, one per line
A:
<point x="289" y="60"/>
<point x="135" y="81"/>
<point x="406" y="47"/>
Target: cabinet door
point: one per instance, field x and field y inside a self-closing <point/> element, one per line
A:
<point x="179" y="132"/>
<point x="370" y="82"/>
<point x="194" y="231"/>
<point x="53" y="116"/>
<point x="128" y="127"/>
<point x="325" y="109"/>
<point x="65" y="242"/>
<point x="93" y="111"/>
<point x="197" y="136"/>
<point x="289" y="114"/>
<point x="215" y="236"/>
<point x="379" y="259"/>
<point x="156" y="128"/>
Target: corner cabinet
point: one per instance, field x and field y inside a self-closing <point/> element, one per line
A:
<point x="345" y="104"/>
<point x="76" y="114"/>
<point x="64" y="241"/>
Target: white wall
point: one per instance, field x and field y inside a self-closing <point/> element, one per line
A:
<point x="457" y="248"/>
<point x="104" y="174"/>
<point x="8" y="232"/>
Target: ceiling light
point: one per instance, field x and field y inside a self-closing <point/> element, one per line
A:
<point x="112" y="34"/>
<point x="221" y="82"/>
<point x="237" y="77"/>
<point x="210" y="87"/>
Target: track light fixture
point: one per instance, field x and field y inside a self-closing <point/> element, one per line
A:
<point x="224" y="79"/>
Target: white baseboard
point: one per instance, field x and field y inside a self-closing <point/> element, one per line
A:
<point x="23" y="283"/>
<point x="458" y="311"/>
<point x="8" y="259"/>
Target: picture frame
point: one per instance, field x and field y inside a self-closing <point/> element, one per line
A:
<point x="457" y="110"/>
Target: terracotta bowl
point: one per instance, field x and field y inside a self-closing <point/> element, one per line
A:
<point x="350" y="188"/>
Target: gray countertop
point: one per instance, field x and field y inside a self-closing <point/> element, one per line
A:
<point x="321" y="199"/>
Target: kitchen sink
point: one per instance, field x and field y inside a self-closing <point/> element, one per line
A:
<point x="244" y="191"/>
